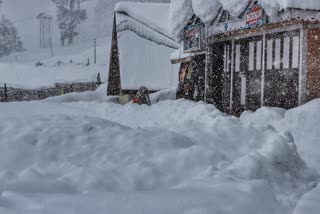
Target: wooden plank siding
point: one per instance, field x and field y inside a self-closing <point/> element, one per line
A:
<point x="281" y="85"/>
<point x="313" y="74"/>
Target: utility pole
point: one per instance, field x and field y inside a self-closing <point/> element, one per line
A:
<point x="50" y="37"/>
<point x="95" y="51"/>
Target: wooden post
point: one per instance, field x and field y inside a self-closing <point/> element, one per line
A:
<point x="95" y="51"/>
<point x="114" y="80"/>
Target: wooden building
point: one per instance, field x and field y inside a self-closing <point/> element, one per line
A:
<point x="192" y="60"/>
<point x="256" y="59"/>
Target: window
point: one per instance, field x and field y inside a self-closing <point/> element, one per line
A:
<point x="243" y="90"/>
<point x="238" y="55"/>
<point x="295" y="52"/>
<point x="277" y="54"/>
<point x="259" y="56"/>
<point x="251" y="56"/>
<point x="286" y="52"/>
<point x="269" y="54"/>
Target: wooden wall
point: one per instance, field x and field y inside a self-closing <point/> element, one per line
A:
<point x="313" y="74"/>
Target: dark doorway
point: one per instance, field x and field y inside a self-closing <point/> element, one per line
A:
<point x="218" y="77"/>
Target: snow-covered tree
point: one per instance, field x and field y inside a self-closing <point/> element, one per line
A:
<point x="10" y="41"/>
<point x="69" y="16"/>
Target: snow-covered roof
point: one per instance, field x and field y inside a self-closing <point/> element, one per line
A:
<point x="148" y="20"/>
<point x="44" y="15"/>
<point x="206" y="10"/>
<point x="299" y="4"/>
<point x="181" y="11"/>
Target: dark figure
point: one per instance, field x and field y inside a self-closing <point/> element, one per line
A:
<point x="142" y="96"/>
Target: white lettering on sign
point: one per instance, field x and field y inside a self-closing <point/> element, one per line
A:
<point x="254" y="15"/>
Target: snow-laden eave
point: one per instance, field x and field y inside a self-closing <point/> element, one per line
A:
<point x="128" y="22"/>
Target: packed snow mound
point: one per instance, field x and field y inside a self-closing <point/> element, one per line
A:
<point x="206" y="10"/>
<point x="181" y="12"/>
<point x="99" y="95"/>
<point x="233" y="151"/>
<point x="167" y="94"/>
<point x="80" y="148"/>
<point x="309" y="203"/>
<point x="32" y="181"/>
<point x="302" y="122"/>
<point x="244" y="196"/>
<point x="154" y="15"/>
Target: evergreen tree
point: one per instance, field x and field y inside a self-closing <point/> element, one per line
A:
<point x="69" y="16"/>
<point x="10" y="41"/>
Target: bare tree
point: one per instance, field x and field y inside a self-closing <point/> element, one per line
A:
<point x="69" y="16"/>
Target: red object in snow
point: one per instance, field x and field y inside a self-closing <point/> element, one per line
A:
<point x="135" y="100"/>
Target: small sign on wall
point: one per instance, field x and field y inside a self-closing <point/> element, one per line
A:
<point x="192" y="38"/>
<point x="254" y="15"/>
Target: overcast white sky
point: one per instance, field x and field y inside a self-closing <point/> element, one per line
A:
<point x="23" y="13"/>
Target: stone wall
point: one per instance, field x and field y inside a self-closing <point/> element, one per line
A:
<point x="19" y="94"/>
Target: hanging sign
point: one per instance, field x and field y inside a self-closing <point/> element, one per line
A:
<point x="192" y="38"/>
<point x="254" y="16"/>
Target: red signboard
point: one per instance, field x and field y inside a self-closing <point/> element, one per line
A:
<point x="254" y="15"/>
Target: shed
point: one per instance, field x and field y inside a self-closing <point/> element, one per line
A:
<point x="141" y="49"/>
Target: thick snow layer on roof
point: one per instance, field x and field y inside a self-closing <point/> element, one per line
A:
<point x="154" y="15"/>
<point x="283" y="4"/>
<point x="180" y="13"/>
<point x="206" y="10"/>
<point x="235" y="7"/>
<point x="126" y="23"/>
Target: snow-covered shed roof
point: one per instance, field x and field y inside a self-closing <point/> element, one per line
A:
<point x="44" y="15"/>
<point x="181" y="11"/>
<point x="148" y="20"/>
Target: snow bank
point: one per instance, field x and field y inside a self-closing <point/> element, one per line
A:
<point x="244" y="197"/>
<point x="100" y="149"/>
<point x="167" y="94"/>
<point x="309" y="204"/>
<point x="99" y="95"/>
<point x="302" y="123"/>
<point x="234" y="151"/>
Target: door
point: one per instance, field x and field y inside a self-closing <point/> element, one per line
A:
<point x="219" y="76"/>
<point x="282" y="69"/>
<point x="247" y="74"/>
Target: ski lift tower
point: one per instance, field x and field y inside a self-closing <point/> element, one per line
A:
<point x="45" y="21"/>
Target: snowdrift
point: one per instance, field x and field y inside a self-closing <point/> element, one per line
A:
<point x="80" y="148"/>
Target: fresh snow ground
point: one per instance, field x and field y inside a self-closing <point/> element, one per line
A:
<point x="19" y="70"/>
<point x="82" y="153"/>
